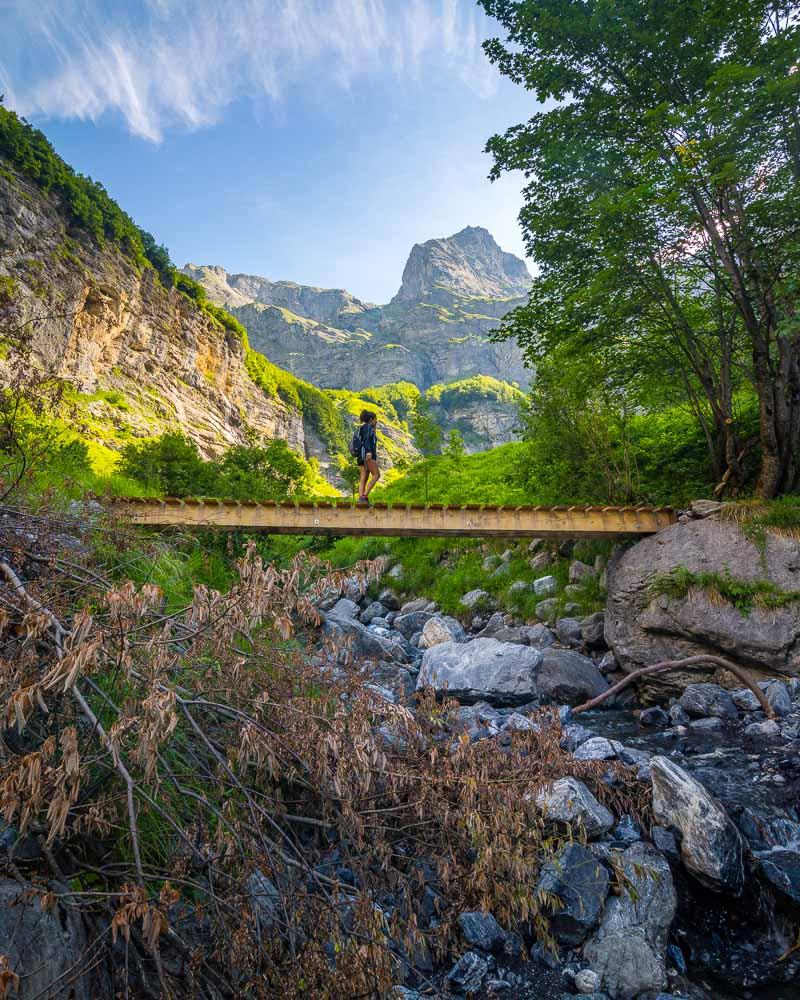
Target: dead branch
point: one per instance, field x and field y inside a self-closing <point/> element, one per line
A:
<point x="688" y="661"/>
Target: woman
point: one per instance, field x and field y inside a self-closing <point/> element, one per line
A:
<point x="369" y="473"/>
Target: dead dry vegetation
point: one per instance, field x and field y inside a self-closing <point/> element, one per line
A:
<point x="230" y="808"/>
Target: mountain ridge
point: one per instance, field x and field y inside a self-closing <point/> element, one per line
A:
<point x="437" y="328"/>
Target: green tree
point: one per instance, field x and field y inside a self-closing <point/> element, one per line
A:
<point x="454" y="449"/>
<point x="427" y="436"/>
<point x="349" y="472"/>
<point x="261" y="473"/>
<point x="171" y="464"/>
<point x="663" y="203"/>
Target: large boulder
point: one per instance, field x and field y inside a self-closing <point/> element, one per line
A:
<point x="580" y="884"/>
<point x="568" y="677"/>
<point x="644" y="626"/>
<point x="569" y="801"/>
<point x="500" y="673"/>
<point x="629" y="949"/>
<point x="48" y="949"/>
<point x="711" y="847"/>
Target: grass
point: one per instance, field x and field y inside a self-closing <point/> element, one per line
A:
<point x="744" y="595"/>
<point x="760" y="518"/>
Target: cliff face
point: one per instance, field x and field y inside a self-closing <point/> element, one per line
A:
<point x="436" y="329"/>
<point x="143" y="358"/>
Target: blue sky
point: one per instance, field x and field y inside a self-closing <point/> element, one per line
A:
<point x="314" y="140"/>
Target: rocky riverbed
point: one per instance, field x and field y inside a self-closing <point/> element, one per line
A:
<point x="702" y="901"/>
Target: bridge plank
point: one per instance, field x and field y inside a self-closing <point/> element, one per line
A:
<point x="324" y="518"/>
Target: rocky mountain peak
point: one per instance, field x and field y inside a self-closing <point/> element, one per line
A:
<point x="469" y="264"/>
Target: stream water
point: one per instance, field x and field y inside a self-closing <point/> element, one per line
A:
<point x="732" y="947"/>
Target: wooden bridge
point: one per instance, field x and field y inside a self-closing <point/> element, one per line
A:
<point x="345" y="518"/>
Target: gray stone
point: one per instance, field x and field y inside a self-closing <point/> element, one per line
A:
<point x="640" y="759"/>
<point x="49" y="947"/>
<point x="409" y="622"/>
<point x="580" y="884"/>
<point x="395" y="573"/>
<point x="474" y="599"/>
<point x="711" y="846"/>
<point x="568" y="631"/>
<point x="593" y="630"/>
<point x="362" y="643"/>
<point x="504" y="569"/>
<point x="569" y="801"/>
<point x="444" y="629"/>
<point x="372" y="611"/>
<point x="580" y="571"/>
<point x="629" y="949"/>
<point x="545" y="610"/>
<point x="540" y="561"/>
<point x="484" y="669"/>
<point x="665" y="842"/>
<point x="627" y="831"/>
<point x="745" y="700"/>
<point x="709" y="725"/>
<point x="519" y="587"/>
<point x="587" y="982"/>
<point x="608" y="663"/>
<point x="490" y="563"/>
<point x="573" y="735"/>
<point x="702" y="700"/>
<point x="567" y="676"/>
<point x="418" y="604"/>
<point x="520" y="724"/>
<point x="344" y="608"/>
<point x="538" y="635"/>
<point x="265" y="901"/>
<point x="644" y="627"/>
<point x="481" y="930"/>
<point x="389" y="599"/>
<point x="677" y="715"/>
<point x="766" y="731"/>
<point x="654" y="717"/>
<point x="781" y="868"/>
<point x="572" y="609"/>
<point x="545" y="586"/>
<point x="598" y="748"/>
<point x="468" y="973"/>
<point x="779" y="698"/>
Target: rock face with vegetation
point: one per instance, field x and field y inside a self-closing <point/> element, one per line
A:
<point x="436" y="329"/>
<point x="142" y="357"/>
<point x="706" y="586"/>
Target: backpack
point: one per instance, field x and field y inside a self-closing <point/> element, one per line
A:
<point x="356" y="443"/>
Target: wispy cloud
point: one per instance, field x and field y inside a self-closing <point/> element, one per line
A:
<point x="165" y="64"/>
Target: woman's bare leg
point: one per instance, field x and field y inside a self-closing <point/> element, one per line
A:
<point x="362" y="480"/>
<point x="375" y="474"/>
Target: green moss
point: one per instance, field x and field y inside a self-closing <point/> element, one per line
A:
<point x="8" y="288"/>
<point x="744" y="595"/>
